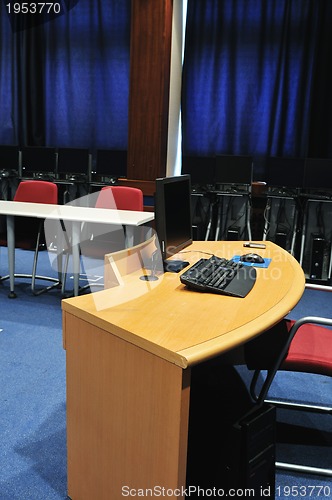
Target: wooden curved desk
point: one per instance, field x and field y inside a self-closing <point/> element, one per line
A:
<point x="128" y="367"/>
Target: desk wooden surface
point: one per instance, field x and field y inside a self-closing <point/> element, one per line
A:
<point x="187" y="327"/>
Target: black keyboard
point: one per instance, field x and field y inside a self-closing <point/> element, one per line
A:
<point x="218" y="275"/>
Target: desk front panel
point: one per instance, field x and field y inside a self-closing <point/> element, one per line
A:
<point x="127" y="415"/>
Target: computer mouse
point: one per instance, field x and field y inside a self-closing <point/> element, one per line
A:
<point x="253" y="258"/>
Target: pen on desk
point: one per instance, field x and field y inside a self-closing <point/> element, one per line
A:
<point x="254" y="245"/>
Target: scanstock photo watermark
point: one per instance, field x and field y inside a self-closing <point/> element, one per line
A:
<point x="26" y="15"/>
<point x="194" y="492"/>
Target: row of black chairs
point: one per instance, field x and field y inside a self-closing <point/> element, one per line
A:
<point x="282" y="174"/>
<point x="105" y="165"/>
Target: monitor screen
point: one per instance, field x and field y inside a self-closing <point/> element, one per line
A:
<point x="200" y="168"/>
<point x="233" y="169"/>
<point x="112" y="162"/>
<point x="173" y="214"/>
<point x="38" y="159"/>
<point x="9" y="157"/>
<point x="285" y="172"/>
<point x="73" y="161"/>
<point x="318" y="173"/>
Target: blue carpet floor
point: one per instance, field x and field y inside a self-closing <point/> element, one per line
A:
<point x="33" y="396"/>
<point x="33" y="382"/>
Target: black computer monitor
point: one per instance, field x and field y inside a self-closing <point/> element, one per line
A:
<point x="38" y="160"/>
<point x="285" y="172"/>
<point x="73" y="161"/>
<point x="318" y="173"/>
<point x="200" y="168"/>
<point x="173" y="215"/>
<point x="9" y="157"/>
<point x="233" y="169"/>
<point x="111" y="163"/>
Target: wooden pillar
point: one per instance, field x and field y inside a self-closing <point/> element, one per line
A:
<point x="150" y="52"/>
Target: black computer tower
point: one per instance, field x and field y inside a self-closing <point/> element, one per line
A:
<point x="281" y="239"/>
<point x="231" y="440"/>
<point x="233" y="233"/>
<point x="251" y="463"/>
<point x="319" y="257"/>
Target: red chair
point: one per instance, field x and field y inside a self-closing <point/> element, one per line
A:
<point x="124" y="197"/>
<point x="307" y="349"/>
<point x="100" y="239"/>
<point x="35" y="191"/>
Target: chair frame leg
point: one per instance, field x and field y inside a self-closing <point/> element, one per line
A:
<point x="303" y="469"/>
<point x="34" y="276"/>
<point x="56" y="281"/>
<point x="262" y="396"/>
<point x="288" y="405"/>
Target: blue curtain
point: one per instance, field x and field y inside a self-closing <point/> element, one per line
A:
<point x="251" y="77"/>
<point x="65" y="82"/>
<point x="8" y="82"/>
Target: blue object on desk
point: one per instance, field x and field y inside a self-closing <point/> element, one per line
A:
<point x="266" y="263"/>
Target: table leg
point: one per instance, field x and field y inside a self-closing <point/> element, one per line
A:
<point x="11" y="254"/>
<point x="76" y="231"/>
<point x="129" y="236"/>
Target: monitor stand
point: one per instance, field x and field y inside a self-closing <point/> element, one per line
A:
<point x="170" y="266"/>
<point x="175" y="266"/>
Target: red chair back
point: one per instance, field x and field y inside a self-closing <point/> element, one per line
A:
<point x="37" y="192"/>
<point x="120" y="197"/>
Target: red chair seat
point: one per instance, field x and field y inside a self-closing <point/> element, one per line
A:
<point x="310" y="350"/>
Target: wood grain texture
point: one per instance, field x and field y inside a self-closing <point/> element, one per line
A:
<point x="188" y="327"/>
<point x="150" y="49"/>
<point x="127" y="415"/>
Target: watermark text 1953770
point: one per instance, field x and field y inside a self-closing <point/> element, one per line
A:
<point x="25" y="15"/>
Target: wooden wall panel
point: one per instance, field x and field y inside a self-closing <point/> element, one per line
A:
<point x="151" y="29"/>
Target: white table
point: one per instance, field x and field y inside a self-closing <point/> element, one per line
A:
<point x="74" y="214"/>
